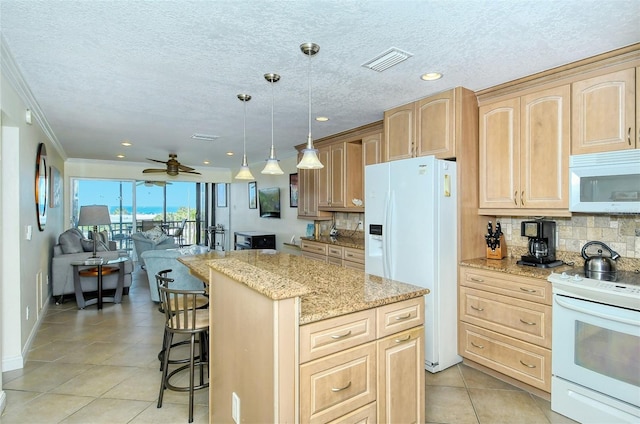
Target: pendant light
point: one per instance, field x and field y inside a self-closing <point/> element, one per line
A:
<point x="310" y="154"/>
<point x="245" y="172"/>
<point x="272" y="167"/>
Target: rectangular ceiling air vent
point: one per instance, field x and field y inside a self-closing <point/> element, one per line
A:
<point x="386" y="60"/>
<point x="204" y="137"/>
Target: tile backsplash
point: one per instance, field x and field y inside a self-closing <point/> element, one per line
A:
<point x="620" y="232"/>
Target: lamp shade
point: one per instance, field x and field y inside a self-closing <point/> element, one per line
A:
<point x="94" y="215"/>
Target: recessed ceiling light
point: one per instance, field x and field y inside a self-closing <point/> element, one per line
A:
<point x="126" y="143"/>
<point x="120" y="156"/>
<point x="206" y="162"/>
<point x="229" y="153"/>
<point x="431" y="76"/>
<point x="322" y="119"/>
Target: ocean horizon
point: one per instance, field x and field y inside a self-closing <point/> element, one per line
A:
<point x="145" y="210"/>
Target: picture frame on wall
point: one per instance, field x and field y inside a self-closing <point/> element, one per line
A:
<point x="253" y="202"/>
<point x="55" y="185"/>
<point x="293" y="190"/>
<point x="221" y="195"/>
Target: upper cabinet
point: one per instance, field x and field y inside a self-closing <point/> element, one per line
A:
<point x="308" y="189"/>
<point x="339" y="186"/>
<point x="524" y="154"/>
<point x="604" y="113"/>
<point x="430" y="126"/>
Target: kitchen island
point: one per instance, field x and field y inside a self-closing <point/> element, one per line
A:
<point x="296" y="340"/>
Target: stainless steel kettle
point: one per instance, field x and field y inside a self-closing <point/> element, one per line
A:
<point x="600" y="267"/>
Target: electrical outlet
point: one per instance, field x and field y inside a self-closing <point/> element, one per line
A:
<point x="235" y="408"/>
<point x="359" y="224"/>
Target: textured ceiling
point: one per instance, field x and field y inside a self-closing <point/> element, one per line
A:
<point x="155" y="72"/>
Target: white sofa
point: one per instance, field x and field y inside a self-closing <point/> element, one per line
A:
<point x="72" y="246"/>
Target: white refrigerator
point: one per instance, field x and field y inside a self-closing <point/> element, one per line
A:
<point x="410" y="236"/>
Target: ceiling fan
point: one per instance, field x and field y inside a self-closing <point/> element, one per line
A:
<point x="173" y="166"/>
<point x="148" y="183"/>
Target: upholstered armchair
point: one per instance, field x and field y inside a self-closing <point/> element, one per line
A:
<point x="153" y="239"/>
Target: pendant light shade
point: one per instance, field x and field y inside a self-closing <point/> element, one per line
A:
<point x="272" y="167"/>
<point x="245" y="172"/>
<point x="310" y="154"/>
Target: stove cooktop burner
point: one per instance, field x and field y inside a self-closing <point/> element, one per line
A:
<point x="622" y="277"/>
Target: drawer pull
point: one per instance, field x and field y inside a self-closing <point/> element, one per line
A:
<point x="339" y="389"/>
<point x="527" y="365"/>
<point x="527" y="322"/>
<point x="341" y="336"/>
<point x="477" y="280"/>
<point x="527" y="290"/>
<point x="476" y="309"/>
<point x="477" y="345"/>
<point x="403" y="340"/>
<point x="403" y="317"/>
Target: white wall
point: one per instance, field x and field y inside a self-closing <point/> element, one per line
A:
<point x="25" y="266"/>
<point x="244" y="219"/>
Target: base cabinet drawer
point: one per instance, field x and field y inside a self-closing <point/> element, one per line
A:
<point x="523" y="361"/>
<point x="335" y="385"/>
<point x="315" y="256"/>
<point x="522" y="319"/>
<point x="364" y="415"/>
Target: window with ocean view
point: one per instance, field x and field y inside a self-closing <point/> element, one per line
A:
<point x="134" y="203"/>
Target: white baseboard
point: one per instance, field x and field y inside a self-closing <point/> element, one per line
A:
<point x="18" y="361"/>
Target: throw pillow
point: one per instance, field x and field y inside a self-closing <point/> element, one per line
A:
<point x="70" y="241"/>
<point x="156" y="235"/>
<point x="87" y="246"/>
<point x="190" y="250"/>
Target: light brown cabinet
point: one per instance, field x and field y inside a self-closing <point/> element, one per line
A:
<point x="505" y="324"/>
<point x="524" y="153"/>
<point x="347" y="257"/>
<point x="604" y="113"/>
<point x="372" y="149"/>
<point x="430" y="126"/>
<point x="353" y="365"/>
<point x="341" y="179"/>
<point x="308" y="180"/>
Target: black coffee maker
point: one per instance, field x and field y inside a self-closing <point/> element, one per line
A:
<point x="542" y="244"/>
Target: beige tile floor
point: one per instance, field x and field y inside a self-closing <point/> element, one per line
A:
<point x="89" y="366"/>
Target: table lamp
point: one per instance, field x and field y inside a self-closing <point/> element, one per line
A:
<point x="94" y="215"/>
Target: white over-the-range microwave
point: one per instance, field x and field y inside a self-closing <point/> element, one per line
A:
<point x="605" y="182"/>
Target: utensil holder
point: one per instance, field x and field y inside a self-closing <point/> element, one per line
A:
<point x="500" y="252"/>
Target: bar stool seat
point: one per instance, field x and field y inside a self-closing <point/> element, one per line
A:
<point x="190" y="321"/>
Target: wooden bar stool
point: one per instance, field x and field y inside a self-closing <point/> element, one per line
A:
<point x="183" y="317"/>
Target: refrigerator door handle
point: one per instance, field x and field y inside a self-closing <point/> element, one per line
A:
<point x="387" y="238"/>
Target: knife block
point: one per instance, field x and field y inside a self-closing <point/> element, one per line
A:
<point x="500" y="252"/>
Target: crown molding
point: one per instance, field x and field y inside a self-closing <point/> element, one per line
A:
<point x="11" y="71"/>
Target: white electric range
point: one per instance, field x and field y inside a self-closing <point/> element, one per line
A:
<point x="596" y="347"/>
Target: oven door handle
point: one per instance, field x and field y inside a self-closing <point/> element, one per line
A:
<point x="576" y="308"/>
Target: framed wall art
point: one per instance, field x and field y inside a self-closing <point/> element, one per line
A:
<point x="253" y="202"/>
<point x="293" y="190"/>
<point x="41" y="186"/>
<point x="55" y="187"/>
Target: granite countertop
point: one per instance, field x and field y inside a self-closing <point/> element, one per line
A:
<point x="509" y="266"/>
<point x="325" y="290"/>
<point x="354" y="242"/>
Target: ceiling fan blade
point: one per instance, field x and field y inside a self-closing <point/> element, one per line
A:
<point x="156" y="160"/>
<point x="191" y="172"/>
<point x="186" y="168"/>
<point x="147" y="171"/>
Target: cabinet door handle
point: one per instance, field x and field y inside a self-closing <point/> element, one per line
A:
<point x="339" y="389"/>
<point x="341" y="336"/>
<point x="521" y="198"/>
<point x="527" y="322"/>
<point x="476" y="308"/>
<point x="403" y="340"/>
<point x="515" y="197"/>
<point x="629" y="136"/>
<point x="477" y="345"/>
<point x="403" y="317"/>
<point x="528" y="290"/>
<point x="527" y="365"/>
<point x="477" y="280"/>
